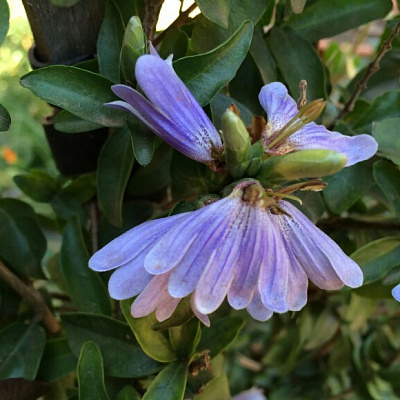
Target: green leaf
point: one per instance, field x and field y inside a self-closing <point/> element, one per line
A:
<point x="143" y="141"/>
<point x="109" y="42"/>
<point x="175" y="42"/>
<point x="217" y="12"/>
<point x="347" y="186"/>
<point x="68" y="206"/>
<point x="4" y="21"/>
<point x="21" y="348"/>
<point x="377" y="258"/>
<point x="262" y="57"/>
<point x="220" y="335"/>
<point x="128" y="393"/>
<point x="36" y="184"/>
<point x="133" y="46"/>
<point x="154" y="177"/>
<point x="207" y="73"/>
<point x="91" y="374"/>
<point x="169" y="384"/>
<point x="22" y="242"/>
<point x="80" y="92"/>
<point x="183" y="313"/>
<point x="386" y="106"/>
<point x="216" y="389"/>
<point x="153" y="343"/>
<point x="386" y="133"/>
<point x="326" y="18"/>
<point x="85" y="287"/>
<point x="286" y="46"/>
<point x="122" y="356"/>
<point x="83" y="187"/>
<point x="114" y="168"/>
<point x="64" y="3"/>
<point x="387" y="176"/>
<point x="57" y="361"/>
<point x="70" y="123"/>
<point x="185" y="338"/>
<point x="5" y="119"/>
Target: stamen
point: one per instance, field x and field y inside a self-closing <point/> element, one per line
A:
<point x="284" y="196"/>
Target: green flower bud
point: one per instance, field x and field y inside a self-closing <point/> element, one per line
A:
<point x="301" y="164"/>
<point x="237" y="144"/>
<point x="133" y="46"/>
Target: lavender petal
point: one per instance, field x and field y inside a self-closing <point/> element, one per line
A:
<point x="257" y="309"/>
<point x="396" y="292"/>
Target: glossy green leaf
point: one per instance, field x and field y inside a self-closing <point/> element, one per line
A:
<point x="128" y="393"/>
<point x="207" y="73"/>
<point x="154" y="177"/>
<point x="220" y="335"/>
<point x="262" y="57"/>
<point x="70" y="123"/>
<point x="175" y="42"/>
<point x="68" y="206"/>
<point x="64" y="3"/>
<point x="22" y="242"/>
<point x="21" y="348"/>
<point x="57" y="361"/>
<point x="133" y="46"/>
<point x="85" y="287"/>
<point x="347" y="186"/>
<point x="216" y="389"/>
<point x="143" y="141"/>
<point x="122" y="355"/>
<point x="185" y="338"/>
<point x="37" y="184"/>
<point x="169" y="384"/>
<point x="217" y="12"/>
<point x="91" y="374"/>
<point x="326" y="18"/>
<point x="386" y="106"/>
<point x="114" y="168"/>
<point x="109" y="42"/>
<point x="5" y="119"/>
<point x="387" y="176"/>
<point x="4" y="20"/>
<point x="153" y="343"/>
<point x="286" y="46"/>
<point x="83" y="187"/>
<point x="129" y="8"/>
<point x="207" y="35"/>
<point x="386" y="133"/>
<point x="377" y="258"/>
<point x="80" y="92"/>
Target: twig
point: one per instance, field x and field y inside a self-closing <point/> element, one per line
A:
<point x="149" y="17"/>
<point x="33" y="298"/>
<point x="181" y="20"/>
<point x="372" y="68"/>
<point x="93" y="225"/>
<point x="350" y="224"/>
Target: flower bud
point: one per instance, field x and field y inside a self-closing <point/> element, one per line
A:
<point x="237" y="144"/>
<point x="314" y="163"/>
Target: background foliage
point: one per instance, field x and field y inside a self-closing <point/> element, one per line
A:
<point x="84" y="345"/>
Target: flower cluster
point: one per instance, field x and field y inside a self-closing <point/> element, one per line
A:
<point x="252" y="247"/>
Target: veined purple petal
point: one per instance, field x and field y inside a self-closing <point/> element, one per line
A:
<point x="160" y="124"/>
<point x="279" y="106"/>
<point x="216" y="279"/>
<point x="247" y="271"/>
<point x="312" y="136"/>
<point x="297" y="284"/>
<point x="174" y="247"/>
<point x="127" y="246"/>
<point x="257" y="309"/>
<point x="166" y="308"/>
<point x="202" y="317"/>
<point x="273" y="279"/>
<point x="169" y="94"/>
<point x="130" y="279"/>
<point x="322" y="259"/>
<point x="396" y="292"/>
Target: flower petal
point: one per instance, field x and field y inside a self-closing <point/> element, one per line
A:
<point x="202" y="317"/>
<point x="396" y="292"/>
<point x="297" y="285"/>
<point x="257" y="309"/>
<point x="169" y="94"/>
<point x="321" y="258"/>
<point x="127" y="246"/>
<point x="166" y="308"/>
<point x="312" y="136"/>
<point x="166" y="129"/>
<point x="277" y="103"/>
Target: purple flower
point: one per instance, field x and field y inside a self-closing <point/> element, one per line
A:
<point x="172" y="112"/>
<point x="256" y="252"/>
<point x="396" y="292"/>
<point x="281" y="108"/>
